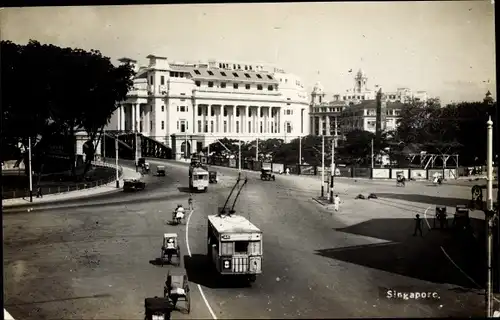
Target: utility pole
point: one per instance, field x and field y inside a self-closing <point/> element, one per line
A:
<point x="332" y="176"/>
<point x="323" y="167"/>
<point x="116" y="163"/>
<point x="490" y="215"/>
<point x="104" y="146"/>
<point x="372" y="155"/>
<point x="257" y="150"/>
<point x="239" y="156"/>
<point x="186" y="144"/>
<point x="208" y="153"/>
<point x="300" y="150"/>
<point x="136" y="158"/>
<point x="30" y="169"/>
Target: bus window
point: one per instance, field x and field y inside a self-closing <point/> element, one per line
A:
<point x="241" y="246"/>
<point x="254" y="248"/>
<point x="227" y="249"/>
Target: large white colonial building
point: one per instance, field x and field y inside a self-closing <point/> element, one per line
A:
<point x="194" y="104"/>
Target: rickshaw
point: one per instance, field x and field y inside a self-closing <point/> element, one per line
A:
<point x="145" y="168"/>
<point x="140" y="162"/>
<point x="177" y="289"/>
<point x="212" y="176"/>
<point x="157" y="308"/>
<point x="169" y="249"/>
<point x="400" y="179"/>
<point x="177" y="217"/>
<point x="160" y="171"/>
<point x="266" y="174"/>
<point x="133" y="185"/>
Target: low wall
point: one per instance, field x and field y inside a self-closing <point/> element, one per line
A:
<point x="381" y="173"/>
<point x="418" y="174"/>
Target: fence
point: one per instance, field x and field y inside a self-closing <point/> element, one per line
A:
<point x="344" y="171"/>
<point x="63" y="187"/>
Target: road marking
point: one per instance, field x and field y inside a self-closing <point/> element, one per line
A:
<point x="425" y="217"/>
<point x="189" y="252"/>
<point x="460" y="269"/>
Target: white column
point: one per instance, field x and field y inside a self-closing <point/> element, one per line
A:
<point x="195" y="117"/>
<point x="244" y="126"/>
<point x="209" y="116"/>
<point x="119" y="117"/>
<point x="321" y="125"/>
<point x="259" y="110"/>
<point x="219" y="115"/>
<point x="327" y="125"/>
<point x="233" y="121"/>
<point x="122" y="118"/>
<point x="137" y="116"/>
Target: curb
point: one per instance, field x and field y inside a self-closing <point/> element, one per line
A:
<point x="70" y="196"/>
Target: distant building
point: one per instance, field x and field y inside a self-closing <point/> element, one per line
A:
<point x="356" y="108"/>
<point x="193" y="104"/>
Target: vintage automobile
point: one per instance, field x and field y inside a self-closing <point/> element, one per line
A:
<point x="169" y="249"/>
<point x="160" y="171"/>
<point x="267" y="174"/>
<point x="133" y="185"/>
<point x="177" y="289"/>
<point x="157" y="308"/>
<point x="212" y="177"/>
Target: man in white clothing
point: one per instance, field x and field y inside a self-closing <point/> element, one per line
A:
<point x="336" y="202"/>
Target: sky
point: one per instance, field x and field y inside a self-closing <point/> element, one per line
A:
<point x="445" y="48"/>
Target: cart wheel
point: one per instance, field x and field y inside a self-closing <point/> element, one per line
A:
<point x="188" y="301"/>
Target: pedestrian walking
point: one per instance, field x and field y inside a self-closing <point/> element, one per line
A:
<point x="336" y="202"/>
<point x="39" y="192"/>
<point x="418" y="225"/>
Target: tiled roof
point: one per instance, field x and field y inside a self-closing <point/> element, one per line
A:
<point x="229" y="75"/>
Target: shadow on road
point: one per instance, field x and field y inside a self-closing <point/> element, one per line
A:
<point x="437" y="200"/>
<point x="415" y="256"/>
<point x="184" y="189"/>
<point x="201" y="271"/>
<point x="95" y="296"/>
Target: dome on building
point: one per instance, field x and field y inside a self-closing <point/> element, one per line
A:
<point x="318" y="88"/>
<point x="361" y="73"/>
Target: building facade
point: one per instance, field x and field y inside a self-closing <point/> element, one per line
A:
<point x="193" y="104"/>
<point x="356" y="108"/>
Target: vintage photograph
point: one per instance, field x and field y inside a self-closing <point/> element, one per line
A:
<point x="250" y="161"/>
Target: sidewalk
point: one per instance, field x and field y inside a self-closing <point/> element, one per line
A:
<point x="127" y="173"/>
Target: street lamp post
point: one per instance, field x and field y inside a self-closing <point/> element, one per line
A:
<point x="489" y="213"/>
<point x="239" y="156"/>
<point x="116" y="163"/>
<point x="30" y="169"/>
<point x="332" y="176"/>
<point x="323" y="167"/>
<point x="300" y="150"/>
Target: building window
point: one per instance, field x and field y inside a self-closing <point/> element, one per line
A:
<point x="272" y="127"/>
<point x="247" y="75"/>
<point x="261" y="127"/>
<point x="270" y="88"/>
<point x="249" y="112"/>
<point x="199" y="125"/>
<point x="183" y="109"/>
<point x="151" y="80"/>
<point x="237" y="112"/>
<point x="163" y="125"/>
<point x="162" y="108"/>
<point x="211" y="126"/>
<point x="235" y="85"/>
<point x="223" y="74"/>
<point x="237" y="127"/>
<point x="197" y="72"/>
<point x="199" y="111"/>
<point x="212" y="112"/>
<point x="198" y="83"/>
<point x="151" y="125"/>
<point x="225" y="126"/>
<point x="261" y="113"/>
<point x="249" y="126"/>
<point x="206" y="126"/>
<point x="210" y="72"/>
<point x="235" y="75"/>
<point x="162" y="80"/>
<point x="210" y="84"/>
<point x="288" y="127"/>
<point x="222" y="84"/>
<point x="225" y="113"/>
<point x="247" y="86"/>
<point x="259" y="87"/>
<point x="259" y="76"/>
<point x="177" y="108"/>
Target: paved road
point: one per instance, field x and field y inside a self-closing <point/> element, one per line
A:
<point x="92" y="261"/>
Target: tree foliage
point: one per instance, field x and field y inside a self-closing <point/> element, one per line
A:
<point x="64" y="89"/>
